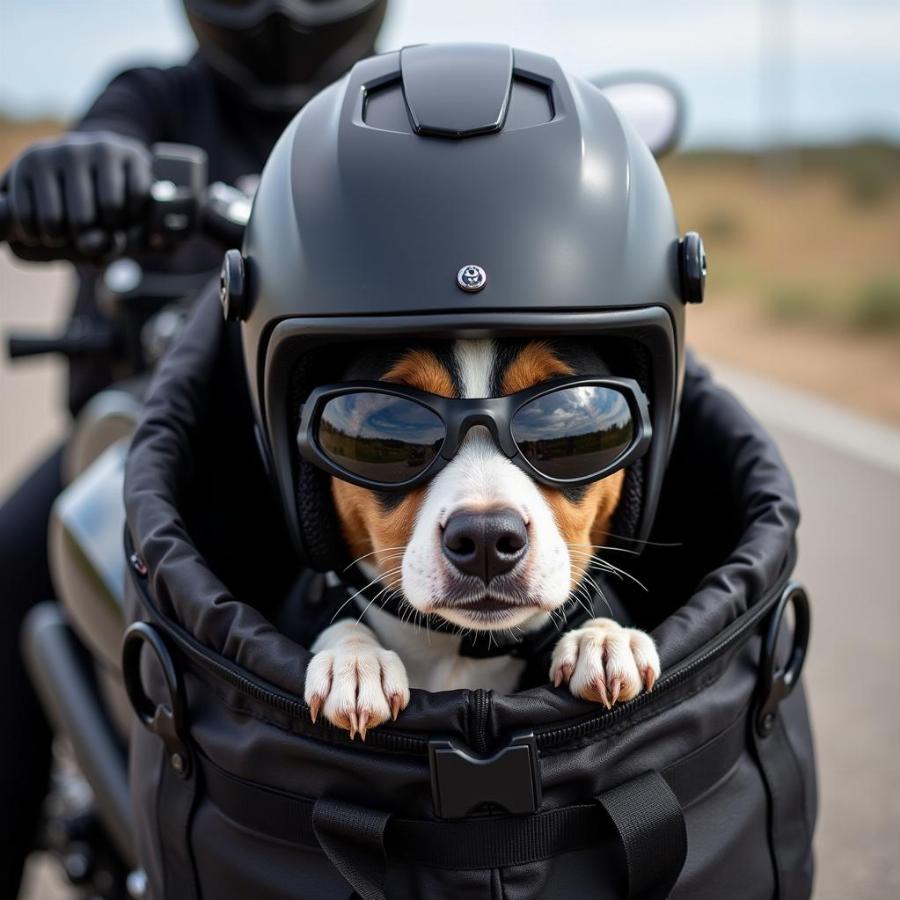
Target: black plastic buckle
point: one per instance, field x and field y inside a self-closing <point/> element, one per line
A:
<point x="460" y="782"/>
<point x="777" y="683"/>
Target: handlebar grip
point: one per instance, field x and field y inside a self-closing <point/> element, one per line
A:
<point x="179" y="207"/>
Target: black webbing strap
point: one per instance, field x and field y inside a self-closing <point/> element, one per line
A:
<point x="646" y="817"/>
<point x="175" y="806"/>
<point x="353" y="839"/>
<point x="788" y="829"/>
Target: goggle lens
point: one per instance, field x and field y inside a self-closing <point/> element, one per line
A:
<point x="386" y="439"/>
<point x="574" y="432"/>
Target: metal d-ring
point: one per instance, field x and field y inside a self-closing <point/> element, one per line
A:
<point x="167" y="719"/>
<point x="777" y="683"/>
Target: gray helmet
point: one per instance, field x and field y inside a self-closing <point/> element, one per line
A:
<point x="420" y="164"/>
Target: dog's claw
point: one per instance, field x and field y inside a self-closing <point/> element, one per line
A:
<point x="604" y="697"/>
<point x="563" y="674"/>
<point x="396" y="705"/>
<point x="648" y="676"/>
<point x="363" y="723"/>
<point x="615" y="687"/>
<point x="315" y="704"/>
<point x="354" y="725"/>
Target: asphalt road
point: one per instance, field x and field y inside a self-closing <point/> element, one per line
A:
<point x="847" y="471"/>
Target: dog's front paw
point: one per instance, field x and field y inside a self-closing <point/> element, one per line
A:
<point x="604" y="662"/>
<point x="353" y="681"/>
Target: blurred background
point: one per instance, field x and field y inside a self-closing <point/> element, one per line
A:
<point x="789" y="168"/>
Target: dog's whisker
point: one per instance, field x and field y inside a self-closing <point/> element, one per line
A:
<point x="388" y="574"/>
<point x="392" y="592"/>
<point x="598" y="592"/>
<point x="369" y="604"/>
<point x="609" y="567"/>
<point x="602" y="547"/>
<point x="620" y="537"/>
<point x="372" y="553"/>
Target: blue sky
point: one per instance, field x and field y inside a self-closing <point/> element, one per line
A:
<point x="753" y="70"/>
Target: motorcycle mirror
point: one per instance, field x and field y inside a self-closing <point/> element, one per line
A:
<point x="654" y="105"/>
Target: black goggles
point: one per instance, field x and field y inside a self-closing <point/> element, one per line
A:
<point x="563" y="433"/>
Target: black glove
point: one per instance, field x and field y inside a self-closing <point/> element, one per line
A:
<point x="67" y="193"/>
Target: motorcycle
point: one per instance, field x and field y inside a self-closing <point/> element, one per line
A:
<point x="71" y="644"/>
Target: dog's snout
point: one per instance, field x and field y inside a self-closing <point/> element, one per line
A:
<point x="485" y="544"/>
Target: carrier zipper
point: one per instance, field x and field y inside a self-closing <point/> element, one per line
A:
<point x="478" y="731"/>
<point x="545" y="739"/>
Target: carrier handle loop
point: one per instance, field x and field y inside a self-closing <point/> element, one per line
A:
<point x="645" y="813"/>
<point x="778" y="683"/>
<point x="649" y="821"/>
<point x="167" y="719"/>
<point x="353" y="839"/>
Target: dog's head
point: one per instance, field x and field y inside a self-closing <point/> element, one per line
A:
<point x="482" y="544"/>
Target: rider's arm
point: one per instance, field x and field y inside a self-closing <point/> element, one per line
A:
<point x="139" y="104"/>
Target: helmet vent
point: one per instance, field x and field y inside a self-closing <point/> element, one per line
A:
<point x="385" y="109"/>
<point x="530" y="104"/>
<point x="456" y="90"/>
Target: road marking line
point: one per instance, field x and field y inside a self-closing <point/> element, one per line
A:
<point x="807" y="415"/>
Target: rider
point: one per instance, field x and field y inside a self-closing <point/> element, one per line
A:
<point x="256" y="65"/>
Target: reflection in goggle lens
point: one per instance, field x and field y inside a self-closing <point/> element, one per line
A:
<point x="386" y="439"/>
<point x="574" y="432"/>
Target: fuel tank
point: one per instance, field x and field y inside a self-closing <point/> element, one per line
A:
<point x="87" y="557"/>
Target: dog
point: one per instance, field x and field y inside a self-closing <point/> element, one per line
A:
<point x="532" y="546"/>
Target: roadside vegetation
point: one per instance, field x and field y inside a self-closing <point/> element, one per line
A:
<point x="809" y="236"/>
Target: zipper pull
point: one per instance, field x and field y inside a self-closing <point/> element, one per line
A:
<point x="138" y="565"/>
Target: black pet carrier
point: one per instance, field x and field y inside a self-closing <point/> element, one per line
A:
<point x="702" y="788"/>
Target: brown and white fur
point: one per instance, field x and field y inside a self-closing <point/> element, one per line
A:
<point x="360" y="674"/>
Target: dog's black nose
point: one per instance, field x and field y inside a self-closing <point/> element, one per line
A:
<point x="485" y="544"/>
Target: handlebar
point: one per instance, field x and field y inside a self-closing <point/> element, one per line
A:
<point x="5" y="218"/>
<point x="180" y="205"/>
<point x="81" y="338"/>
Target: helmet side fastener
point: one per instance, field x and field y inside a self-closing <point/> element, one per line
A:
<point x="692" y="267"/>
<point x="232" y="287"/>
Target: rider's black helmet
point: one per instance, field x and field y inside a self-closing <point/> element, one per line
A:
<point x="279" y="53"/>
<point x="418" y="164"/>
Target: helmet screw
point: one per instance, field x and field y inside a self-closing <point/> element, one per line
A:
<point x="177" y="761"/>
<point x="692" y="267"/>
<point x="471" y="278"/>
<point x="232" y="291"/>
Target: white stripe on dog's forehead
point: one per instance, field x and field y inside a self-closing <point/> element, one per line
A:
<point x="475" y="360"/>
